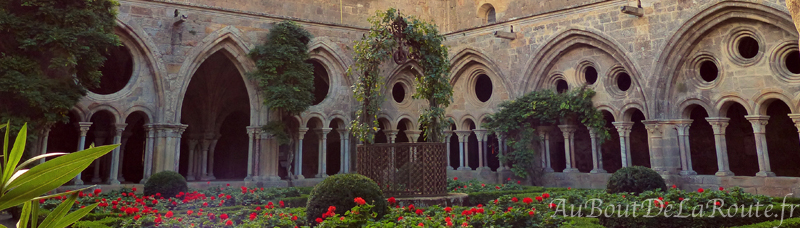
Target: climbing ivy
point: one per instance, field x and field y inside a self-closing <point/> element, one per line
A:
<point x="517" y="121"/>
<point x="285" y="79"/>
<point x="424" y="45"/>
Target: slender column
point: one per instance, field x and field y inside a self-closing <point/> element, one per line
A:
<point x="624" y="129"/>
<point x="413" y="135"/>
<point x="463" y="158"/>
<point x="148" y="153"/>
<point x="323" y="152"/>
<point x="481" y="134"/>
<point x="686" y="151"/>
<point x="125" y="136"/>
<point x="99" y="139"/>
<point x="348" y="157"/>
<point x="448" y="134"/>
<point x="205" y="145"/>
<point x="654" y="133"/>
<point x="251" y="131"/>
<point x="257" y="154"/>
<point x="796" y="120"/>
<point x="391" y="134"/>
<point x="569" y="144"/>
<point x="597" y="155"/>
<point x="759" y="129"/>
<point x="193" y="141"/>
<point x="112" y="178"/>
<point x="84" y="127"/>
<point x="342" y="150"/>
<point x="500" y="149"/>
<point x="211" y="150"/>
<point x="544" y="134"/>
<point x="46" y="134"/>
<point x="176" y="137"/>
<point x="298" y="167"/>
<point x="718" y="124"/>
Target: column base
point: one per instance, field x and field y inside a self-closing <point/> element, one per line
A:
<point x="273" y="178"/>
<point x="190" y="178"/>
<point x="689" y="173"/>
<point x="114" y="182"/>
<point x="450" y="168"/>
<point x="765" y="174"/>
<point x="208" y="178"/>
<point x="299" y="177"/>
<point x="546" y="170"/>
<point x="321" y="175"/>
<point x="248" y="178"/>
<point x="78" y="182"/>
<point x="143" y="181"/>
<point x="121" y="179"/>
<point x="571" y="170"/>
<point x="481" y="169"/>
<point x="464" y="168"/>
<point x="598" y="171"/>
<point x="96" y="180"/>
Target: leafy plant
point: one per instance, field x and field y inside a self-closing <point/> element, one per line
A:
<point x="340" y="190"/>
<point x="636" y="179"/>
<point x="167" y="183"/>
<point x="517" y="121"/>
<point x="284" y="76"/>
<point x="393" y="35"/>
<point x="19" y="185"/>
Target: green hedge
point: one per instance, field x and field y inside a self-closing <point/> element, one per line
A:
<point x="106" y="222"/>
<point x="704" y="220"/>
<point x="581" y="222"/>
<point x="485" y="197"/>
<point x="787" y="223"/>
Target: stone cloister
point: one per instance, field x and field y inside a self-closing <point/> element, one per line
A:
<point x="704" y="92"/>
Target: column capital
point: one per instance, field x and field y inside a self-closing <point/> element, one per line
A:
<point x="413" y="135"/>
<point x="84" y="127"/>
<point x="480" y="133"/>
<point x="796" y="120"/>
<point x="180" y="128"/>
<point x="759" y="123"/>
<point x="623" y="126"/>
<point x="568" y="128"/>
<point x="653" y="127"/>
<point x="253" y="130"/>
<point x="718" y="124"/>
<point x="391" y="132"/>
<point x="301" y="132"/>
<point x="463" y="134"/>
<point x="120" y="127"/>
<point x="323" y="132"/>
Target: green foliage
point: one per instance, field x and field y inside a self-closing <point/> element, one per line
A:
<point x="517" y="121"/>
<point x="106" y="222"/>
<point x="636" y="179"/>
<point x="50" y="52"/>
<point x="340" y="190"/>
<point x="168" y="183"/>
<point x="378" y="45"/>
<point x="788" y="223"/>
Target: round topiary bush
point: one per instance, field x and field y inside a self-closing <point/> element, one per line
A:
<point x="339" y="191"/>
<point x="636" y="179"/>
<point x="168" y="183"/>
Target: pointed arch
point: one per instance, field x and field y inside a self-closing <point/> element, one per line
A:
<point x="229" y="41"/>
<point x="332" y="57"/>
<point x="467" y="57"/>
<point x="552" y="50"/>
<point x="666" y="65"/>
<point x="155" y="61"/>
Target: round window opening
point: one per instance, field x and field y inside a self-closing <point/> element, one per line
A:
<point x="398" y="93"/>
<point x="591" y="75"/>
<point x="321" y="82"/>
<point x="709" y="71"/>
<point x="483" y="88"/>
<point x="792" y="62"/>
<point x="624" y="81"/>
<point x="748" y="47"/>
<point x="561" y="86"/>
<point x="116" y="70"/>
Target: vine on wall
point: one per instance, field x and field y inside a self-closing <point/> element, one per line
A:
<point x="517" y="121"/>
<point x="402" y="38"/>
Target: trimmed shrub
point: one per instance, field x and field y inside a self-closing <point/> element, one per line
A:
<point x="168" y="183"/>
<point x="339" y="191"/>
<point x="788" y="223"/>
<point x="636" y="179"/>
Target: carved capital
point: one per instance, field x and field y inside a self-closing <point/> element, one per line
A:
<point x="718" y="124"/>
<point x="301" y="133"/>
<point x="653" y="128"/>
<point x="682" y="126"/>
<point x="624" y="128"/>
<point x="323" y="132"/>
<point x="796" y="120"/>
<point x="462" y="135"/>
<point x="481" y="134"/>
<point x="120" y="128"/>
<point x="84" y="127"/>
<point x="759" y="123"/>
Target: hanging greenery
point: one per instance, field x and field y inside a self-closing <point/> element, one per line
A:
<point x="402" y="38"/>
<point x="285" y="78"/>
<point x="517" y="121"/>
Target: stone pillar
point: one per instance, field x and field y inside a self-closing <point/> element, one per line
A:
<point x="718" y="124"/>
<point x="796" y="120"/>
<point x="205" y="145"/>
<point x="193" y="141"/>
<point x="480" y="135"/>
<point x="682" y="126"/>
<point x="99" y="139"/>
<point x="624" y="129"/>
<point x="447" y="135"/>
<point x="500" y="149"/>
<point x="211" y="149"/>
<point x="167" y="156"/>
<point x="125" y="136"/>
<point x="759" y="129"/>
<point x="544" y="134"/>
<point x="654" y="135"/>
<point x="413" y="135"/>
<point x="257" y="154"/>
<point x="391" y="135"/>
<point x="251" y="133"/>
<point x="463" y="158"/>
<point x="84" y="127"/>
<point x="597" y="154"/>
<point x="569" y="147"/>
<point x="298" y="166"/>
<point x="148" y="152"/>
<point x="46" y="134"/>
<point x="342" y="151"/>
<point x="112" y="178"/>
<point x="323" y="152"/>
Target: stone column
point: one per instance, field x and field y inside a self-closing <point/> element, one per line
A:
<point x="298" y="166"/>
<point x="544" y="134"/>
<point x="46" y="134"/>
<point x="480" y="135"/>
<point x="682" y="126"/>
<point x="125" y="136"/>
<point x="759" y="129"/>
<point x="654" y="135"/>
<point x="500" y="148"/>
<point x="211" y="149"/>
<point x="84" y="127"/>
<point x="323" y="152"/>
<point x="413" y="135"/>
<point x="170" y="160"/>
<point x="447" y="135"/>
<point x="597" y="154"/>
<point x="342" y="151"/>
<point x="796" y="120"/>
<point x="205" y="145"/>
<point x="349" y="157"/>
<point x="463" y="157"/>
<point x="148" y="153"/>
<point x="624" y="129"/>
<point x="112" y="178"/>
<point x="257" y="154"/>
<point x="569" y="147"/>
<point x="391" y="135"/>
<point x="99" y="139"/>
<point x="251" y="131"/>
<point x="193" y="141"/>
<point x="718" y="124"/>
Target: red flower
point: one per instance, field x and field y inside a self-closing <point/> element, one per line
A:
<point x="211" y="216"/>
<point x="700" y="190"/>
<point x="280" y="203"/>
<point x="133" y="189"/>
<point x="448" y="209"/>
<point x="530" y="213"/>
<point x="97" y="191"/>
<point x="169" y="214"/>
<point x="223" y="216"/>
<point x="205" y="204"/>
<point x="157" y="220"/>
<point x="420" y="224"/>
<point x="253" y="216"/>
<point x="341" y="218"/>
<point x="480" y="205"/>
<point x="294" y="218"/>
<point x="228" y="185"/>
<point x="518" y="182"/>
<point x="680" y="198"/>
<point x="319" y="220"/>
<point x="229" y="223"/>
<point x="673" y="186"/>
<point x="514" y="199"/>
<point x="569" y="188"/>
<point x="455" y="178"/>
<point x="419" y="211"/>
<point x="465" y="224"/>
<point x="539" y="198"/>
<point x="497" y="187"/>
<point x="399" y="218"/>
<point x="449" y="223"/>
<point x="553" y="206"/>
<point x="331" y="209"/>
<point x="495" y="201"/>
<point x="717" y="203"/>
<point x="359" y="201"/>
<point x="411" y="207"/>
<point x="527" y="200"/>
<point x="136" y="217"/>
<point x="392" y="200"/>
<point x="189" y="212"/>
<point x="545" y="195"/>
<point x="721" y="189"/>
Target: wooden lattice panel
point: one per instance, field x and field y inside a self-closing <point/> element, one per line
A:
<point x="405" y="169"/>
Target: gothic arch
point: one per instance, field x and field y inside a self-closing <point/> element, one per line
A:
<point x="229" y="41"/>
<point x="332" y="57"/>
<point x="693" y="30"/>
<point x="463" y="61"/>
<point x="153" y="56"/>
<point x="541" y="63"/>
